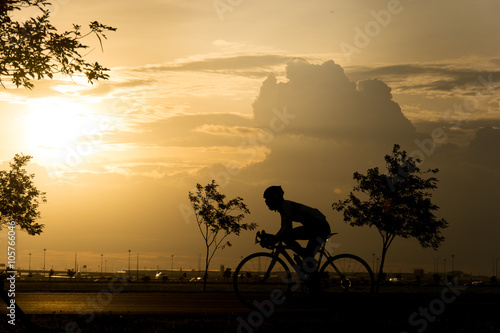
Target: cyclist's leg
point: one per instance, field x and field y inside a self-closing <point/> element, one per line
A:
<point x="314" y="237"/>
<point x="294" y="245"/>
<point x="291" y="237"/>
<point x="317" y="236"/>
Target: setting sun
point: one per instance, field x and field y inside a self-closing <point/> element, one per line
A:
<point x="54" y="126"/>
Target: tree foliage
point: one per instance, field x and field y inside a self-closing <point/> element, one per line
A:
<point x="19" y="197"/>
<point x="34" y="49"/>
<point x="397" y="203"/>
<point x="217" y="218"/>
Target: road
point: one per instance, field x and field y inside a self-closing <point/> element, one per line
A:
<point x="127" y="303"/>
<point x="49" y="302"/>
<point x="141" y="311"/>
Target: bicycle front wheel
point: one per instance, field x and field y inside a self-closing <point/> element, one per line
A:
<point x="261" y="278"/>
<point x="347" y="279"/>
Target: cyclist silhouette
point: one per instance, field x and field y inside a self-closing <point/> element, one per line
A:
<point x="314" y="223"/>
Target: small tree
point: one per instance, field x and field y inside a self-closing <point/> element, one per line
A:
<point x="217" y="219"/>
<point x="19" y="198"/>
<point x="34" y="49"/>
<point x="397" y="203"/>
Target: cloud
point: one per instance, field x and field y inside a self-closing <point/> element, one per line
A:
<point x="321" y="127"/>
<point x="485" y="147"/>
<point x="325" y="103"/>
<point x="457" y="95"/>
<point x="236" y="64"/>
<point x="238" y="131"/>
<point x="333" y="119"/>
<point x="443" y="76"/>
<point x="190" y="131"/>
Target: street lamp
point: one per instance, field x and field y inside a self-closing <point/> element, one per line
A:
<point x="44" y="262"/>
<point x="128" y="262"/>
<point x="172" y="265"/>
<point x="137" y="266"/>
<point x="101" y="263"/>
<point x="29" y="267"/>
<point x="436" y="264"/>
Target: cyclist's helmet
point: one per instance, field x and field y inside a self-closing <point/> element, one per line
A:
<point x="273" y="192"/>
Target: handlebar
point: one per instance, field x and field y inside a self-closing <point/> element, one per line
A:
<point x="266" y="240"/>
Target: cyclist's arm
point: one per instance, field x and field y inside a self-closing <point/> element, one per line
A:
<point x="286" y="223"/>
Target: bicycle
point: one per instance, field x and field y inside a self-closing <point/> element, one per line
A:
<point x="343" y="279"/>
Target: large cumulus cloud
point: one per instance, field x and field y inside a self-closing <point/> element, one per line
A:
<point x="328" y="105"/>
<point x="485" y="148"/>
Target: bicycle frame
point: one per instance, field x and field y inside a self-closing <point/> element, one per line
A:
<point x="280" y="249"/>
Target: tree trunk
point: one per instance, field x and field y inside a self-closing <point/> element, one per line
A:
<point x="381" y="269"/>
<point x="205" y="276"/>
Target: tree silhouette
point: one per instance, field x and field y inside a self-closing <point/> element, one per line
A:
<point x="34" y="49"/>
<point x="397" y="203"/>
<point x="217" y="219"/>
<point x="19" y="198"/>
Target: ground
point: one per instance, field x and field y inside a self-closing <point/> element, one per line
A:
<point x="398" y="309"/>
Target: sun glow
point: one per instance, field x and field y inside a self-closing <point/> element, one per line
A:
<point x="57" y="128"/>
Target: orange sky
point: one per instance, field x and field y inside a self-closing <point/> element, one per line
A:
<point x="187" y="103"/>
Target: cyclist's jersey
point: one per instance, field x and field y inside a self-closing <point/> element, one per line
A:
<point x="296" y="212"/>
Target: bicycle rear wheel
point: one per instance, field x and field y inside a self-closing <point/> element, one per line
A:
<point x="260" y="278"/>
<point x="347" y="279"/>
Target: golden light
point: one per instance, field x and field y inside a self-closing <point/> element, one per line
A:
<point x="56" y="127"/>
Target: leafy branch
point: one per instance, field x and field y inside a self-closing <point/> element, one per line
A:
<point x="34" y="49"/>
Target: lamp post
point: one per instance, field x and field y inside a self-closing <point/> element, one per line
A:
<point x="101" y="263"/>
<point x="44" y="262"/>
<point x="436" y="264"/>
<point x="29" y="267"/>
<point x="128" y="273"/>
<point x="137" y="266"/>
<point x="172" y="266"/>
